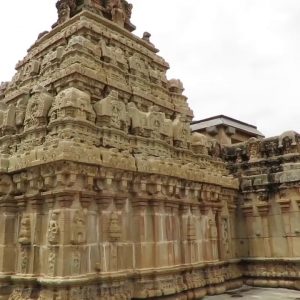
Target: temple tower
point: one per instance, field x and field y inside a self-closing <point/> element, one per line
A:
<point x="104" y="191"/>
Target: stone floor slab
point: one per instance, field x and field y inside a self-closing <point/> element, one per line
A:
<point x="248" y="293"/>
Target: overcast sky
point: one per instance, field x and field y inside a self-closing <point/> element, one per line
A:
<point x="240" y="58"/>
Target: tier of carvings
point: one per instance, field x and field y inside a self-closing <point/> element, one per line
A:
<point x="106" y="194"/>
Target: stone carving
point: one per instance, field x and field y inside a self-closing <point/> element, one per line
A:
<point x="76" y="262"/>
<point x="175" y="86"/>
<point x="111" y="112"/>
<point x="6" y="185"/>
<point x="225" y="235"/>
<point x="71" y="104"/>
<point x="78" y="228"/>
<point x="114" y="229"/>
<point x="253" y="149"/>
<point x="212" y="228"/>
<point x="137" y="66"/>
<point x="20" y="111"/>
<point x="119" y="11"/>
<point x="24" y="259"/>
<point x="37" y="109"/>
<point x="199" y="143"/>
<point x="65" y="9"/>
<point x="52" y="258"/>
<point x="32" y="68"/>
<point x="181" y="132"/>
<point x="138" y="120"/>
<point x="156" y="121"/>
<point x="91" y="120"/>
<point x="83" y="44"/>
<point x="25" y="230"/>
<point x="146" y="37"/>
<point x="16" y="294"/>
<point x="53" y="229"/>
<point x="7" y="119"/>
<point x="3" y="87"/>
<point x="191" y="229"/>
<point x="287" y="141"/>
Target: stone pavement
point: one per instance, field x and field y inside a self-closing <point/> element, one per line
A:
<point x="248" y="293"/>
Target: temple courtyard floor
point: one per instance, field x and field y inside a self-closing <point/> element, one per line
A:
<point x="248" y="293"/>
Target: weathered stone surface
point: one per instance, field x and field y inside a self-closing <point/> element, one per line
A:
<point x="106" y="194"/>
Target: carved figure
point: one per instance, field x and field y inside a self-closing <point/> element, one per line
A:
<point x="155" y="121"/>
<point x="72" y="103"/>
<point x="181" y="132"/>
<point x="37" y="108"/>
<point x="6" y="185"/>
<point x="199" y="143"/>
<point x="20" y="111"/>
<point x="16" y="294"/>
<point x="51" y="261"/>
<point x="7" y="119"/>
<point x="137" y="66"/>
<point x="76" y="262"/>
<point x="24" y="259"/>
<point x="175" y="86"/>
<point x="253" y="148"/>
<point x="78" y="228"/>
<point x="25" y="231"/>
<point x="212" y="227"/>
<point x="117" y="12"/>
<point x="287" y="141"/>
<point x="65" y="10"/>
<point x="53" y="229"/>
<point x="111" y="112"/>
<point x="138" y="120"/>
<point x="146" y="37"/>
<point x="114" y="227"/>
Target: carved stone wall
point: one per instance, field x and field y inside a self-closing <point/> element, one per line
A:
<point x="268" y="209"/>
<point x="106" y="194"/>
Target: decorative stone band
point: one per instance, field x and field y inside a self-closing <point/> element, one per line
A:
<point x="194" y="281"/>
<point x="271" y="272"/>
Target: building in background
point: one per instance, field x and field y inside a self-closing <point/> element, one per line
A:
<point x="226" y="130"/>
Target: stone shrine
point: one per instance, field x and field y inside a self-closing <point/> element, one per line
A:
<point x="105" y="192"/>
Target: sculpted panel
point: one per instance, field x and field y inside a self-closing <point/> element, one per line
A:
<point x="72" y="103"/>
<point x="37" y="109"/>
<point x="78" y="235"/>
<point x="111" y="112"/>
<point x="53" y="228"/>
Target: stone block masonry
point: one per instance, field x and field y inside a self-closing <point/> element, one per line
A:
<point x="104" y="191"/>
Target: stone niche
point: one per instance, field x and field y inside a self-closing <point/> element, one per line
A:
<point x="106" y="194"/>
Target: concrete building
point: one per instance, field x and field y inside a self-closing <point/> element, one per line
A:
<point x="226" y="130"/>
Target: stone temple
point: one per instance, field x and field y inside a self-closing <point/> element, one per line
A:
<point x="105" y="192"/>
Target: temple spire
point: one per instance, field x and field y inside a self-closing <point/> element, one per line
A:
<point x="118" y="11"/>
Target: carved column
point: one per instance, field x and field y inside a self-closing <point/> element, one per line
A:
<point x="36" y="207"/>
<point x="255" y="212"/>
<point x="8" y="229"/>
<point x="104" y="201"/>
<point x="143" y="251"/>
<point x="156" y="209"/>
<point x="277" y="235"/>
<point x="290" y="203"/>
<point x="211" y="237"/>
<point x="25" y="235"/>
<point x="224" y="233"/>
<point x="184" y="224"/>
